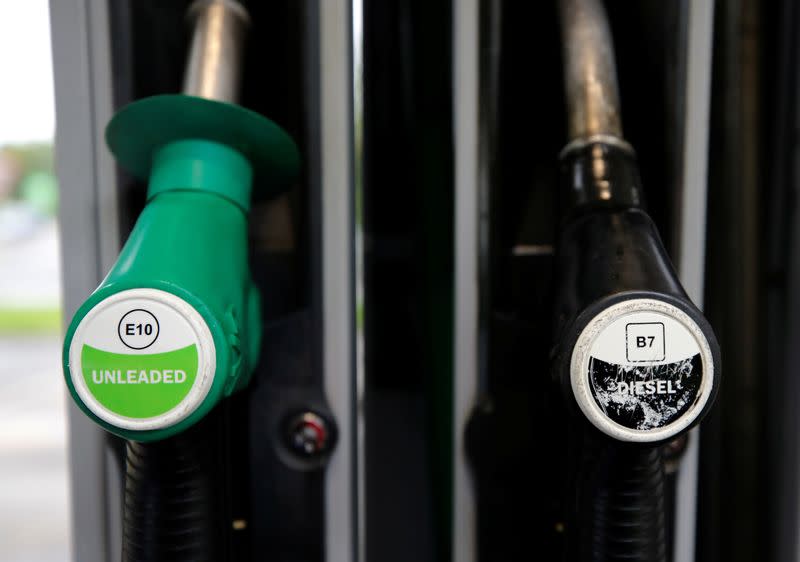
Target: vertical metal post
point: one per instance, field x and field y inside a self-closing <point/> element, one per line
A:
<point x="691" y="243"/>
<point x="89" y="245"/>
<point x="467" y="263"/>
<point x="337" y="237"/>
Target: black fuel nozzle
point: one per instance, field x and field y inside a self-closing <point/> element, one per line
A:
<point x="636" y="361"/>
<point x="635" y="357"/>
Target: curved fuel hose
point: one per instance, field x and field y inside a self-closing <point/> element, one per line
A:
<point x="173" y="508"/>
<point x="625" y="505"/>
<point x="637" y="362"/>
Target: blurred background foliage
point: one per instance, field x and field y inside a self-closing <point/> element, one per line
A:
<point x="28" y="209"/>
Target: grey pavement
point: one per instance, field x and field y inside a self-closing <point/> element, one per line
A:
<point x="34" y="510"/>
<point x="33" y="463"/>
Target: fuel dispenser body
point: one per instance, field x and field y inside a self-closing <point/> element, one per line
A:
<point x="385" y="280"/>
<point x="195" y="354"/>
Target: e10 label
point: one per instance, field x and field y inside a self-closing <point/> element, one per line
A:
<point x="142" y="359"/>
<point x="138" y="329"/>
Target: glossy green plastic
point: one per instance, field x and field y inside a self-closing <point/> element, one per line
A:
<point x="191" y="241"/>
<point x="202" y="158"/>
<point x="142" y="127"/>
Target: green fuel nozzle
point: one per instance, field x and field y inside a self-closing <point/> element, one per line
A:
<point x="175" y="325"/>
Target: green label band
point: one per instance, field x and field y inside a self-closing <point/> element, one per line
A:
<point x="141" y="385"/>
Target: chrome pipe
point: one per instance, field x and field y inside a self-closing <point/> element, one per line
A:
<point x="215" y="56"/>
<point x="590" y="74"/>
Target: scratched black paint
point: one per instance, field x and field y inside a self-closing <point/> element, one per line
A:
<point x="645" y="397"/>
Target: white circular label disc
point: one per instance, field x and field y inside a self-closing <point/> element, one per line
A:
<point x="142" y="359"/>
<point x="642" y="370"/>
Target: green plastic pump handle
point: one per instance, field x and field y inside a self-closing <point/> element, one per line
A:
<point x="175" y="326"/>
<point x="183" y="276"/>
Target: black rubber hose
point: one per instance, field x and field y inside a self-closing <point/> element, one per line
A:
<point x="620" y="503"/>
<point x="172" y="510"/>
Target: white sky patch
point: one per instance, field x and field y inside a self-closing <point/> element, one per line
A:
<point x="27" y="112"/>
